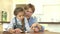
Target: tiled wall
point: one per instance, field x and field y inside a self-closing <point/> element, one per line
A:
<point x="53" y="27"/>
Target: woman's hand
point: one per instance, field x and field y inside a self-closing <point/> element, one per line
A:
<point x="36" y="27"/>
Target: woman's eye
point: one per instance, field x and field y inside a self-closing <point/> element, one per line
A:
<point x="30" y="12"/>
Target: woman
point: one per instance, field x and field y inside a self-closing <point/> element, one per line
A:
<point x="29" y="10"/>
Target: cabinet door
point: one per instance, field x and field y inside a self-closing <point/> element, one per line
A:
<point x="20" y="5"/>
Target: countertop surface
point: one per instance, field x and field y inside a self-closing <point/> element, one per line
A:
<point x="38" y="22"/>
<point x="45" y="32"/>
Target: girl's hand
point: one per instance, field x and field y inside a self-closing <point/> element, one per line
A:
<point x="17" y="30"/>
<point x="11" y="30"/>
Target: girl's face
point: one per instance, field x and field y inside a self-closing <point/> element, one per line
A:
<point x="20" y="15"/>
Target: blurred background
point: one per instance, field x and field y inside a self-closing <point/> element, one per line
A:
<point x="45" y="11"/>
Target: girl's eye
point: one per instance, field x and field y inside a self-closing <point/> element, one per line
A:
<point x="27" y="11"/>
<point x="19" y="16"/>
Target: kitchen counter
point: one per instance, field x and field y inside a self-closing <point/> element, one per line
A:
<point x="38" y="22"/>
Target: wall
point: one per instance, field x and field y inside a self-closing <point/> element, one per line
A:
<point x="43" y="14"/>
<point x="0" y="8"/>
<point x="6" y="5"/>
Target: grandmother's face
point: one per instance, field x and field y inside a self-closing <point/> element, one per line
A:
<point x="28" y="12"/>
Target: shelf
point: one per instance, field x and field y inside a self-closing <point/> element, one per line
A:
<point x="38" y="22"/>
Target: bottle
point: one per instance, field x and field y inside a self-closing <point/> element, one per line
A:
<point x="4" y="16"/>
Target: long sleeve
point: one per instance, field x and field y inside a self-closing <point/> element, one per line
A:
<point x="11" y="24"/>
<point x="27" y="25"/>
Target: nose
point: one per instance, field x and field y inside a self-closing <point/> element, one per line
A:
<point x="22" y="17"/>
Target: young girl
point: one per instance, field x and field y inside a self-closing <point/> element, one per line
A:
<point x="17" y="23"/>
